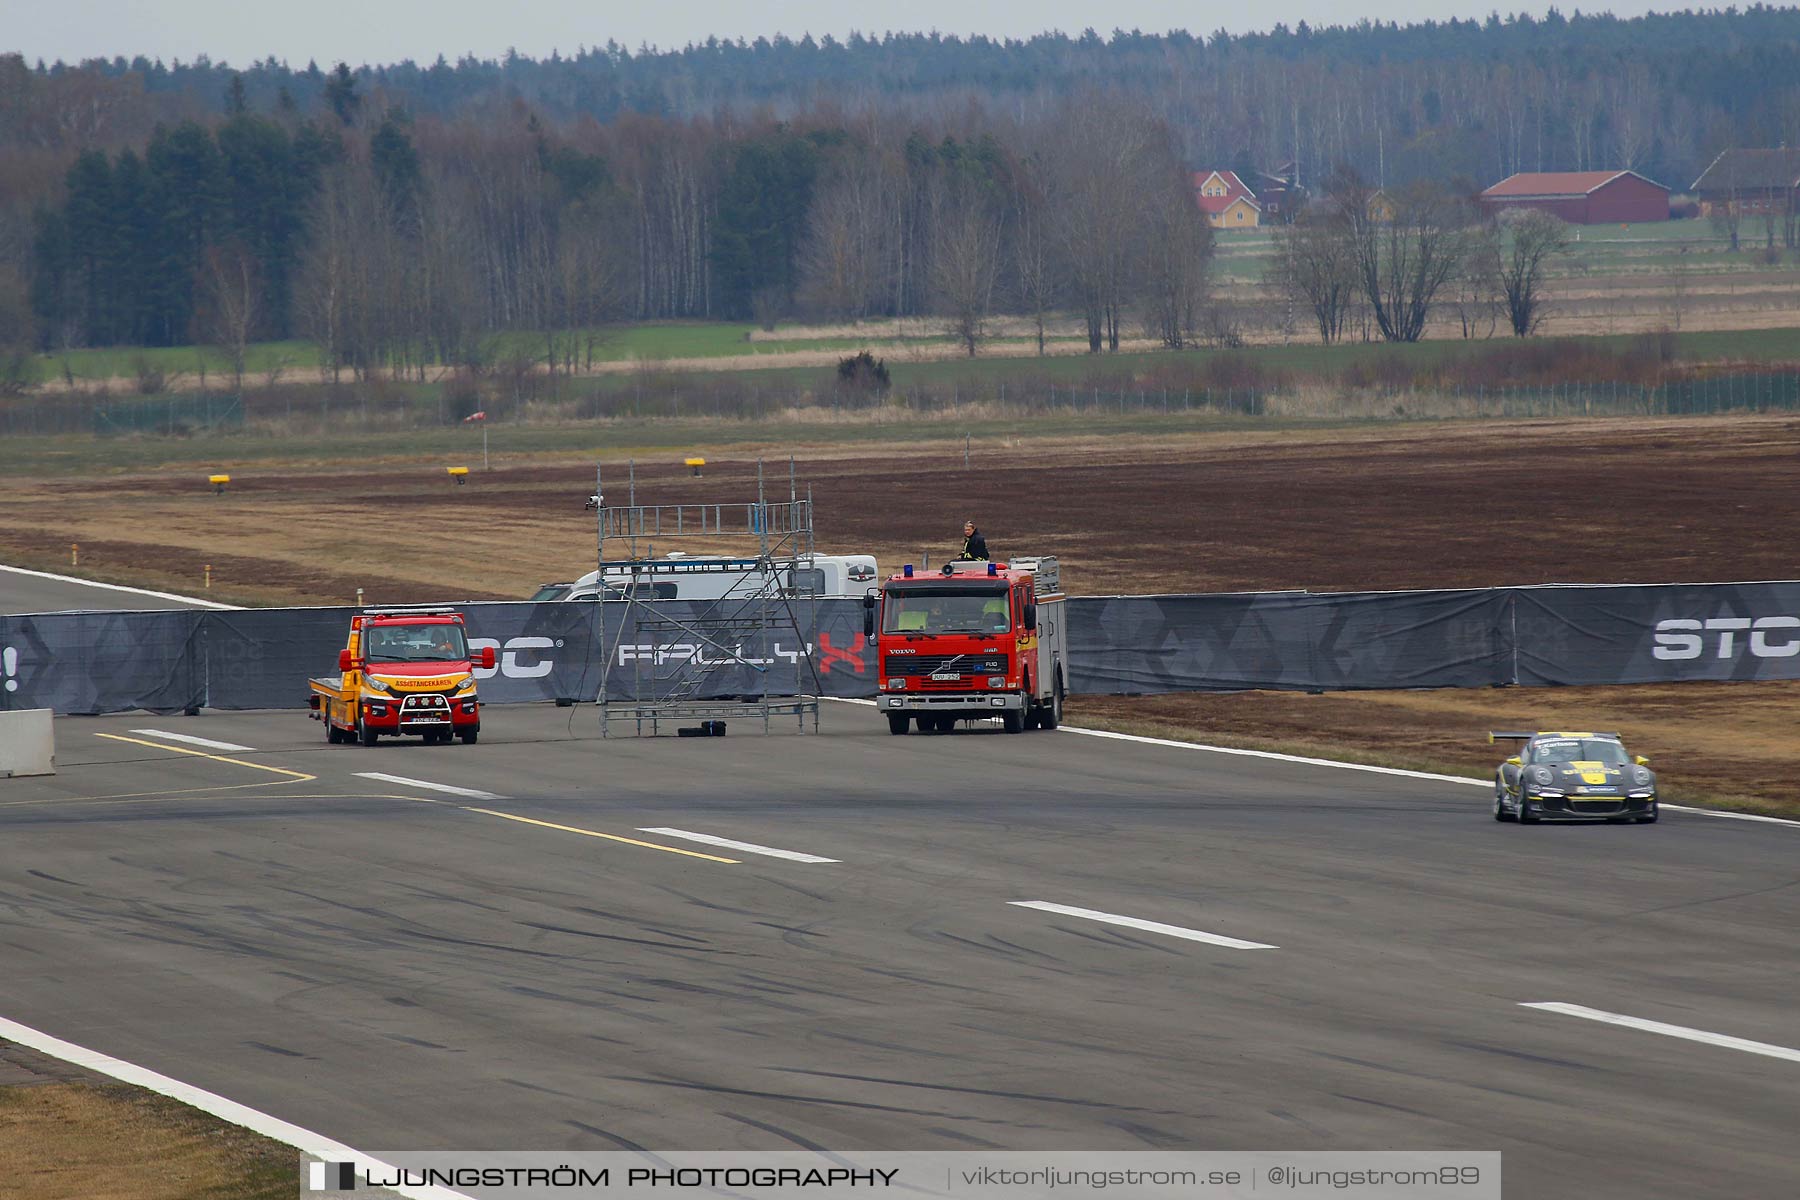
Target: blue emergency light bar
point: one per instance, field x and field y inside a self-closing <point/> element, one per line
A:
<point x="907" y="570"/>
<point x="993" y="568"/>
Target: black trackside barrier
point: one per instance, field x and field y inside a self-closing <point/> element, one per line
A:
<point x="1296" y="641"/>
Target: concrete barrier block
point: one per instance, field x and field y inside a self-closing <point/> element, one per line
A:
<point x="27" y="742"/>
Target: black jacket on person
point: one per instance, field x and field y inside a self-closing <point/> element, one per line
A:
<point x="974" y="548"/>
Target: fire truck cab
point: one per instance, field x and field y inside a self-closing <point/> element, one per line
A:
<point x="971" y="641"/>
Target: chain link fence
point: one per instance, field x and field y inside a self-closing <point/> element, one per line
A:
<point x="385" y="406"/>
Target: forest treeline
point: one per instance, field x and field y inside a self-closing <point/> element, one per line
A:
<point x="400" y="212"/>
<point x="393" y="240"/>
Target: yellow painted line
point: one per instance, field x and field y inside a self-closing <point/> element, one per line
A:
<point x="611" y="837"/>
<point x="236" y="762"/>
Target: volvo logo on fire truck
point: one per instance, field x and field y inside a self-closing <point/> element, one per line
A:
<point x="1681" y="638"/>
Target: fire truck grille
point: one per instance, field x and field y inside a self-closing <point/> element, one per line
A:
<point x="932" y="664"/>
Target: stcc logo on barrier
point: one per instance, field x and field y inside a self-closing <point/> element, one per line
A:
<point x="1681" y="638"/>
<point x="509" y="657"/>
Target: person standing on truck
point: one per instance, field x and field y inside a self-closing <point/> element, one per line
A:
<point x="974" y="545"/>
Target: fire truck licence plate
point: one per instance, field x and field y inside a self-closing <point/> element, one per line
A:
<point x="946" y="676"/>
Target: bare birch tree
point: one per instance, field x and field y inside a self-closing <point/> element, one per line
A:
<point x="1520" y="255"/>
<point x="965" y="263"/>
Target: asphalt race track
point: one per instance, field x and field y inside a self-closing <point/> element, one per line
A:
<point x="516" y="963"/>
<point x="36" y="592"/>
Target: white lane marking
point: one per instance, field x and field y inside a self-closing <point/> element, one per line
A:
<point x="119" y="587"/>
<point x="1192" y="935"/>
<point x="403" y="781"/>
<point x="1729" y="816"/>
<point x="304" y="1140"/>
<point x="191" y="740"/>
<point x="1674" y="1031"/>
<point x="1270" y="754"/>
<point x="747" y="847"/>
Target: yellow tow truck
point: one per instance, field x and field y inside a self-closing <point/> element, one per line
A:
<point x="404" y="672"/>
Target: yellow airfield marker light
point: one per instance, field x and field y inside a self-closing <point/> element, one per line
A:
<point x="209" y="577"/>
<point x="695" y="463"/>
<point x="460" y="474"/>
<point x="218" y="483"/>
<point x="74" y="554"/>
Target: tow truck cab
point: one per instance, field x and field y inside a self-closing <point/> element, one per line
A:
<point x="403" y="671"/>
<point x="971" y="641"/>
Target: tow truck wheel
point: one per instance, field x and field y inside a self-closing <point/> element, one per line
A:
<point x="897" y="723"/>
<point x="364" y="734"/>
<point x="469" y="736"/>
<point x="332" y="736"/>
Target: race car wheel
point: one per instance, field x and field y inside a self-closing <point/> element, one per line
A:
<point x="897" y="723"/>
<point x="1526" y="816"/>
<point x="1648" y="818"/>
<point x="1500" y="807"/>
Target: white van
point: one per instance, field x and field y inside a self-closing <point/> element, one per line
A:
<point x="698" y="577"/>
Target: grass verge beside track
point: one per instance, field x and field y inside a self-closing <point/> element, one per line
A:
<point x="86" y="1141"/>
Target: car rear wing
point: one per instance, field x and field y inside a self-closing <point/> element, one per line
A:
<point x="1499" y="735"/>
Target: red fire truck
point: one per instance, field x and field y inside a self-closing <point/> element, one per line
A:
<point x="972" y="641"/>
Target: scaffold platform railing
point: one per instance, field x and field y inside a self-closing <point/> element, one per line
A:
<point x="738" y="650"/>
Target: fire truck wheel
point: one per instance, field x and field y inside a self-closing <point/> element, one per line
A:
<point x="469" y="737"/>
<point x="1013" y="720"/>
<point x="897" y="722"/>
<point x="364" y="734"/>
<point x="1050" y="716"/>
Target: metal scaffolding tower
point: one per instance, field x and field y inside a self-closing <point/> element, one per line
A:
<point x="661" y="667"/>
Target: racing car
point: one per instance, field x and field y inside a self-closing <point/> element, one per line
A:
<point x="1572" y="777"/>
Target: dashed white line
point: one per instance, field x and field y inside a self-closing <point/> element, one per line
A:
<point x="191" y="740"/>
<point x="1178" y="931"/>
<point x="304" y="1140"/>
<point x="1674" y="1031"/>
<point x="403" y="781"/>
<point x="746" y="847"/>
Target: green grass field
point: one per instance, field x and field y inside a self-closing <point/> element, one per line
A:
<point x="650" y="343"/>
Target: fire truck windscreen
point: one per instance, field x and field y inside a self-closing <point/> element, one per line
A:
<point x="942" y="609"/>
<point x="436" y="642"/>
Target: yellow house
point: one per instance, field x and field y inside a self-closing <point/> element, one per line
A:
<point x="1227" y="203"/>
<point x="1382" y="208"/>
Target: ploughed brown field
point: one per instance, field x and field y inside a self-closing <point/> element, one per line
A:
<point x="1358" y="508"/>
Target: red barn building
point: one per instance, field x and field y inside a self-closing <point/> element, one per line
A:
<point x="1582" y="197"/>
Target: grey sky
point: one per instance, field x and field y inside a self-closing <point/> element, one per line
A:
<point x="378" y="31"/>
